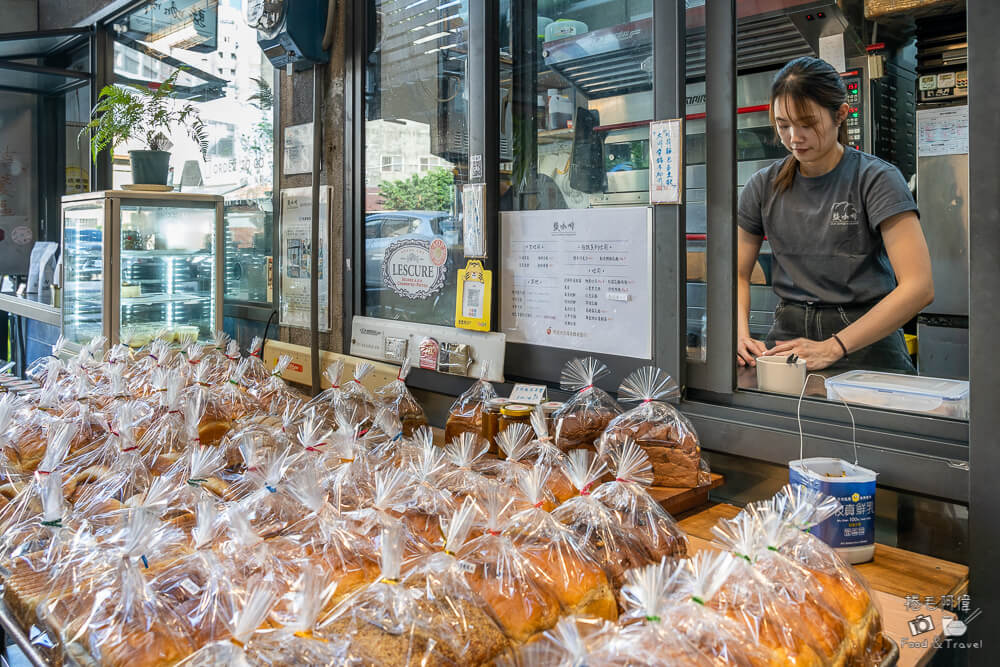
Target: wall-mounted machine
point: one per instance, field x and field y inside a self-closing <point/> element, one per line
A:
<point x="290" y="32"/>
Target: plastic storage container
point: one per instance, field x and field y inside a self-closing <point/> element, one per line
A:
<point x="937" y="396"/>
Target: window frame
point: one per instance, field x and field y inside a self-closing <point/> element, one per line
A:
<point x="916" y="453"/>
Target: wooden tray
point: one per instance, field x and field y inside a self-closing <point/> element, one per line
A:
<point x="677" y="501"/>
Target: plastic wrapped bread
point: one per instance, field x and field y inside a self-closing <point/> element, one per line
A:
<point x="274" y="394"/>
<point x="598" y="528"/>
<point x="234" y="650"/>
<point x="328" y="401"/>
<point x="564" y="567"/>
<point x="397" y="397"/>
<point x="429" y="619"/>
<point x="666" y="435"/>
<point x="841" y="585"/>
<point x="295" y="642"/>
<point x="641" y="515"/>
<point x="466" y="413"/>
<point x="257" y="374"/>
<point x="500" y="572"/>
<point x="581" y="420"/>
<point x="757" y="540"/>
<point x="356" y="399"/>
<point x="465" y="454"/>
<point x="668" y="620"/>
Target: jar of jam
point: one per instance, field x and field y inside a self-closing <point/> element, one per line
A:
<point x="491" y="419"/>
<point x="514" y="413"/>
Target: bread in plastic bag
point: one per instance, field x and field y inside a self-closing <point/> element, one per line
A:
<point x="394" y="623"/>
<point x="641" y="515"/>
<point x="500" y="572"/>
<point x="667" y="437"/>
<point x="757" y="540"/>
<point x="466" y="413"/>
<point x="669" y="621"/>
<point x="598" y="528"/>
<point x="843" y="588"/>
<point x="552" y="549"/>
<point x="396" y="395"/>
<point x="581" y="420"/>
<point x="234" y="650"/>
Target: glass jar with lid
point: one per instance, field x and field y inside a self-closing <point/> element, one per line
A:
<point x="491" y="419"/>
<point x="514" y="413"/>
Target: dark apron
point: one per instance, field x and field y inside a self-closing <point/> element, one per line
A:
<point x="818" y="321"/>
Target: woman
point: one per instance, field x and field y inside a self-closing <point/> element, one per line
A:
<point x="850" y="262"/>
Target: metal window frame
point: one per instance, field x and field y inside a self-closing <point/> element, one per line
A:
<point x="984" y="318"/>
<point x="914" y="452"/>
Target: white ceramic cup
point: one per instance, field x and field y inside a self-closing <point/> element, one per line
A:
<point x="777" y="375"/>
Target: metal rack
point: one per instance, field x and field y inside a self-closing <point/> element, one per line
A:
<point x="13" y="630"/>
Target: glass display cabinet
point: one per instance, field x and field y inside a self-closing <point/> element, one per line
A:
<point x="141" y="261"/>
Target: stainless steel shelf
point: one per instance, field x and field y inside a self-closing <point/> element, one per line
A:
<point x="163" y="298"/>
<point x="165" y="253"/>
<point x="33" y="310"/>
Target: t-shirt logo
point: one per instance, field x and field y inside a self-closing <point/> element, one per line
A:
<point x="844" y="213"/>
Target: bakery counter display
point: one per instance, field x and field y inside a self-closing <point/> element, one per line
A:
<point x="182" y="505"/>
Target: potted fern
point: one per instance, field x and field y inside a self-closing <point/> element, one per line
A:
<point x="128" y="113"/>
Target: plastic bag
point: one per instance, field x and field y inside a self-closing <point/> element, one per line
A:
<point x="356" y="400"/>
<point x="667" y="437"/>
<point x="39" y="369"/>
<point x="257" y="374"/>
<point x="466" y="413"/>
<point x="234" y="651"/>
<point x="582" y="419"/>
<point x="499" y="571"/>
<point x="327" y="401"/>
<point x="294" y="643"/>
<point x="552" y="549"/>
<point x="397" y="397"/>
<point x="234" y="400"/>
<point x="639" y="512"/>
<point x="598" y="528"/>
<point x="465" y="454"/>
<point x="274" y="395"/>
<point x="127" y="623"/>
<point x="573" y="642"/>
<point x="670" y="622"/>
<point x="758" y="540"/>
<point x="423" y="497"/>
<point x="392" y="623"/>
<point x="842" y="587"/>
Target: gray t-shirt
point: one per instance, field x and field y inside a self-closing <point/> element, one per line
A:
<point x="824" y="231"/>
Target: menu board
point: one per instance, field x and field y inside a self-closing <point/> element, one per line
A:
<point x="578" y="279"/>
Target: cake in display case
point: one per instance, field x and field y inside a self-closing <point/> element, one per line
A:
<point x="138" y="264"/>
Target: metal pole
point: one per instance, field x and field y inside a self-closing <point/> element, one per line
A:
<point x="314" y="239"/>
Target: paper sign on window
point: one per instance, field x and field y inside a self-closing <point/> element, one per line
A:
<point x="666" y="168"/>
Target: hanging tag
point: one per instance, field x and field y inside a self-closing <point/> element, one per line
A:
<point x="475" y="297"/>
<point x="473" y="225"/>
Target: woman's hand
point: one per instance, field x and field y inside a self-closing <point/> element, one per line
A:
<point x="817" y="354"/>
<point x="747" y="350"/>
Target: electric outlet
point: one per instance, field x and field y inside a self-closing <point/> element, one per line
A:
<point x="300" y="370"/>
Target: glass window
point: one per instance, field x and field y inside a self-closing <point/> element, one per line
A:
<point x="416" y="157"/>
<point x="239" y="115"/>
<point x="820" y="274"/>
<point x="575" y="105"/>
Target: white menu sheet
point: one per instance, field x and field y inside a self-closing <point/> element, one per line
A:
<point x="296" y="259"/>
<point x="943" y="131"/>
<point x="578" y="279"/>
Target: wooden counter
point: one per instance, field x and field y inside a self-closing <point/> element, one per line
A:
<point x="893" y="574"/>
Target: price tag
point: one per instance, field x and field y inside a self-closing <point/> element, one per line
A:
<point x="528" y="394"/>
<point x="475" y="297"/>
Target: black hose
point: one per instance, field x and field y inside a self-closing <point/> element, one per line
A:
<point x="267" y="327"/>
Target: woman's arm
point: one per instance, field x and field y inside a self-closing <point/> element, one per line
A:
<point x="748" y="249"/>
<point x="911" y="262"/>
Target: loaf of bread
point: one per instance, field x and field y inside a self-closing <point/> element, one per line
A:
<point x="574" y="579"/>
<point x="668" y="440"/>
